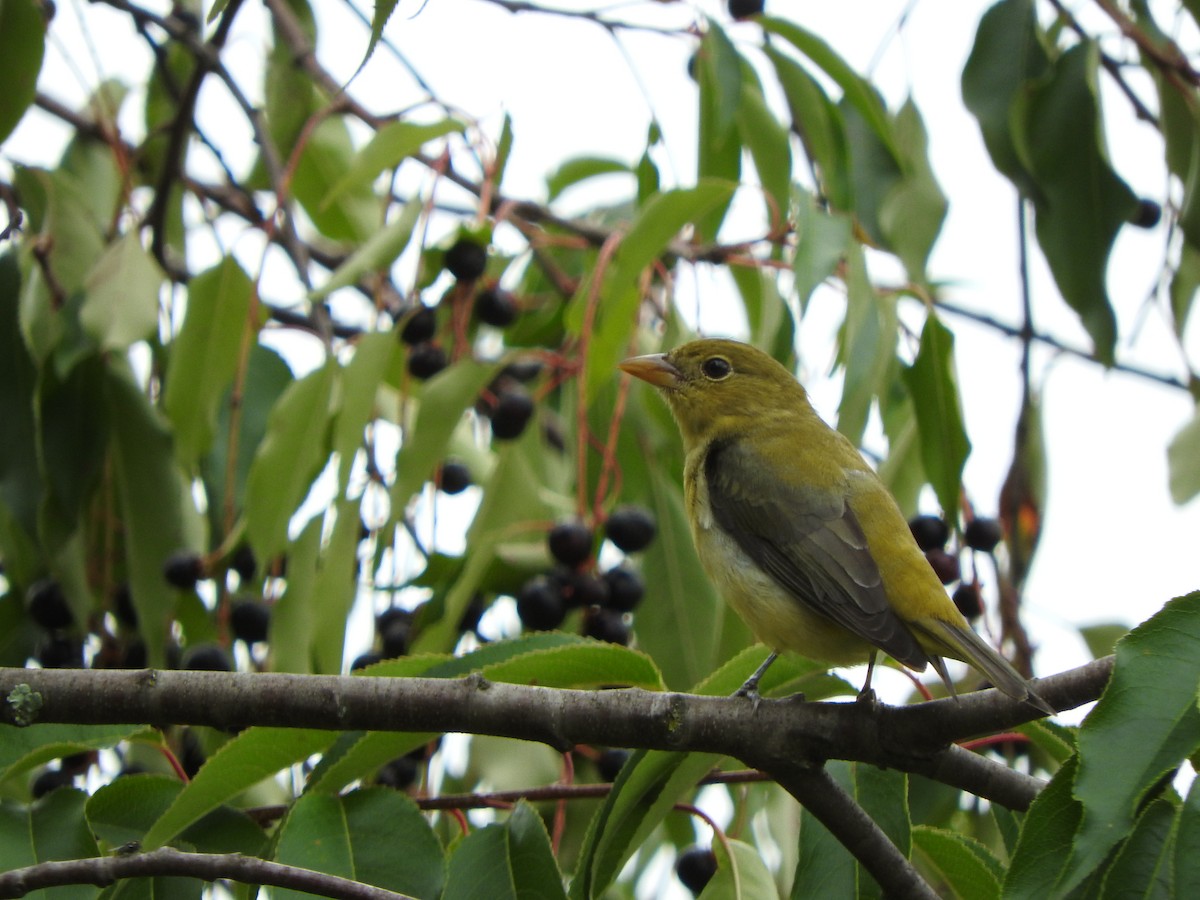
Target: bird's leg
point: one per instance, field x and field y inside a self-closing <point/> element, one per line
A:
<point x="866" y="695"/>
<point x="750" y="688"/>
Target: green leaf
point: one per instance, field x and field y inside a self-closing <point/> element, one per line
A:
<point x="963" y="865"/>
<point x="53" y="828"/>
<point x="375" y="254"/>
<point x="856" y="90"/>
<point x="1102" y="639"/>
<point x="1142" y="867"/>
<point x="767" y="140"/>
<point x="1183" y="461"/>
<point x="579" y="169"/>
<point x="440" y="403"/>
<point x="20" y="478"/>
<point x="388" y="147"/>
<point x="294" y="615"/>
<point x="379" y="19"/>
<point x="293" y="451"/>
<point x="121" y="305"/>
<point x="580" y="666"/>
<point x="912" y="212"/>
<point x="741" y="872"/>
<point x="247" y="759"/>
<point x="357" y="836"/>
<point x="1187" y="862"/>
<point x="1006" y="60"/>
<point x="656" y="224"/>
<point x="510" y="860"/>
<point x="374" y="355"/>
<point x="1081" y="202"/>
<point x="867" y="347"/>
<point x="934" y="391"/>
<point x="818" y="122"/>
<point x="719" y="72"/>
<point x="353" y="213"/>
<point x="1184" y="283"/>
<point x="1145" y="725"/>
<point x="22" y="45"/>
<point x="821" y="241"/>
<point x="151" y="496"/>
<point x="335" y="588"/>
<point x="205" y="355"/>
<point x="24" y="749"/>
<point x="1046" y="839"/>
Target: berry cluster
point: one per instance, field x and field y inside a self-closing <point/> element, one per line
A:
<point x="608" y="599"/>
<point x="932" y="535"/>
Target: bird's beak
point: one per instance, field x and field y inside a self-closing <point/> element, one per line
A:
<point x="653" y="368"/>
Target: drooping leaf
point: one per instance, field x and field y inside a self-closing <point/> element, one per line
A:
<point x="375" y="254"/>
<point x="388" y="147"/>
<point x="1183" y="461"/>
<point x="22" y="45"/>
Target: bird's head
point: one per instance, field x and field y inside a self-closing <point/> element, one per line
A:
<point x="716" y="387"/>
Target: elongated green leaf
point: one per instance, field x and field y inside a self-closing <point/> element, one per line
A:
<point x="580" y="169"/>
<point x="963" y="864"/>
<point x="356" y="836"/>
<point x="51" y="829"/>
<point x="718" y="71"/>
<point x="22" y="45"/>
<point x="1183" y="461"/>
<point x="388" y="147"/>
<point x="374" y="355"/>
<point x="656" y="224"/>
<point x="205" y="354"/>
<point x="441" y="401"/>
<point x="353" y="215"/>
<point x="1081" y="202"/>
<point x="1145" y="725"/>
<point x="293" y="618"/>
<point x="867" y="347"/>
<point x="767" y="140"/>
<point x="1046" y="838"/>
<point x="335" y="588"/>
<point x="151" y="494"/>
<point x="912" y="213"/>
<point x="292" y="453"/>
<point x="818" y="122"/>
<point x="821" y="241"/>
<point x="1186" y="874"/>
<point x="856" y="90"/>
<point x="741" y="873"/>
<point x="1006" y="59"/>
<point x="253" y="755"/>
<point x="378" y="252"/>
<point x="20" y="480"/>
<point x="24" y="749"/>
<point x="932" y="385"/>
<point x="1142" y="867"/>
<point x="121" y="306"/>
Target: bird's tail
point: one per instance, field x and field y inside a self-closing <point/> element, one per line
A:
<point x="964" y="644"/>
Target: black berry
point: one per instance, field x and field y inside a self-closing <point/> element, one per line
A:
<point x="610" y="762"/>
<point x="582" y="589"/>
<point x="122" y="606"/>
<point x="183" y="569"/>
<point x="607" y="625"/>
<point x="540" y="605"/>
<point x="695" y="867"/>
<point x="207" y="658"/>
<point x="420" y="326"/>
<point x="1147" y="215"/>
<point x="945" y="565"/>
<point x="47" y="605"/>
<point x="625" y="589"/>
<point x="570" y="542"/>
<point x="631" y="528"/>
<point x="394" y="627"/>
<point x="743" y="9"/>
<point x="399" y="774"/>
<point x="472" y="614"/>
<point x="496" y="307"/>
<point x="365" y="659"/>
<point x="522" y="370"/>
<point x="250" y="620"/>
<point x="49" y="780"/>
<point x="982" y="534"/>
<point x="466" y="260"/>
<point x="243" y="562"/>
<point x="191" y="753"/>
<point x="426" y="360"/>
<point x="455" y="477"/>
<point x="61" y="653"/>
<point x="512" y="413"/>
<point x="930" y="532"/>
<point x="966" y="598"/>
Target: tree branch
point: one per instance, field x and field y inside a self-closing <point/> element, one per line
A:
<point x="770" y="735"/>
<point x="105" y="870"/>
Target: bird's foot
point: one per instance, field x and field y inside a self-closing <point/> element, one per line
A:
<point x="867" y="698"/>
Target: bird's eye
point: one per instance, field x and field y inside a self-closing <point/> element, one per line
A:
<point x="716" y="368"/>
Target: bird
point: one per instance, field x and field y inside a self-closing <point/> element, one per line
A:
<point x="797" y="532"/>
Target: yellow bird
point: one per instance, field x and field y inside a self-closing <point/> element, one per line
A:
<point x="797" y="532"/>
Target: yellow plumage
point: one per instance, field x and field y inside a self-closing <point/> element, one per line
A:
<point x="797" y="532"/>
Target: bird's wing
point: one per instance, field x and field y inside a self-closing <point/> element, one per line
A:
<point x="810" y="542"/>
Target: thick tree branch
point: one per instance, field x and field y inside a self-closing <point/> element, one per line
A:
<point x="105" y="870"/>
<point x="767" y="735"/>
